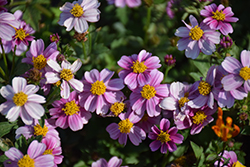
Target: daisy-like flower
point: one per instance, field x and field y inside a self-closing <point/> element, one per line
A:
<point x="164" y="137"/>
<point x="78" y="14"/>
<point x="219" y="18"/>
<point x="205" y="89"/>
<point x="177" y="100"/>
<point x="34" y="156"/>
<point x="53" y="147"/>
<point x="233" y="160"/>
<point x="113" y="162"/>
<point x="100" y="91"/>
<point x="7" y="24"/>
<point x="127" y="128"/>
<point x="37" y="56"/>
<point x="68" y="113"/>
<point x="54" y="38"/>
<point x="226" y="98"/>
<point x="197" y="119"/>
<point x="22" y="101"/>
<point x="129" y="3"/>
<point x="66" y="74"/>
<point x="147" y="122"/>
<point x="239" y="73"/>
<point x="48" y="130"/>
<point x="149" y="96"/>
<point x="197" y="38"/>
<point x="137" y="68"/>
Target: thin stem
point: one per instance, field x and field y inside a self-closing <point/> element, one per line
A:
<point x="84" y="51"/>
<point x="5" y="60"/>
<point x="51" y="95"/>
<point x="166" y="72"/>
<point x="2" y="72"/>
<point x="90" y="42"/>
<point x="147" y="25"/>
<point x="13" y="62"/>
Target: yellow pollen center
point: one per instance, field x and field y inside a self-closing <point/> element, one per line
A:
<point x="49" y="151"/>
<point x="66" y="74"/>
<point x="39" y="62"/>
<point x="182" y="101"/>
<point x="148" y="92"/>
<point x="238" y="164"/>
<point x="21" y="34"/>
<point x="245" y="73"/>
<point x="199" y="117"/>
<point x="163" y="137"/>
<point x="38" y="130"/>
<point x="26" y="161"/>
<point x="98" y="88"/>
<point x="220" y="16"/>
<point x="71" y="108"/>
<point x="20" y="98"/>
<point x="138" y="67"/>
<point x="57" y="84"/>
<point x="77" y="10"/>
<point x="196" y="33"/>
<point x="54" y="38"/>
<point x="117" y="108"/>
<point x="204" y="88"/>
<point x="125" y="126"/>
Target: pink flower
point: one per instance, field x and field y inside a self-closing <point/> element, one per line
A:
<point x="137" y="68"/>
<point x="100" y="91"/>
<point x="126" y="127"/>
<point x="77" y="14"/>
<point x="38" y="57"/>
<point x="218" y="18"/>
<point x="54" y="38"/>
<point x="197" y="38"/>
<point x="149" y="96"/>
<point x="233" y="160"/>
<point x="129" y="3"/>
<point x="48" y="130"/>
<point x="53" y="147"/>
<point x="69" y="113"/>
<point x="164" y="137"/>
<point x="22" y="101"/>
<point x="66" y="74"/>
<point x="147" y="122"/>
<point x="7" y="24"/>
<point x="34" y="156"/>
<point x="113" y="162"/>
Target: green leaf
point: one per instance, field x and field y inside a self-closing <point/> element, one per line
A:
<point x="195" y="75"/>
<point x="202" y="64"/>
<point x="121" y="13"/>
<point x="4" y="144"/>
<point x="80" y="164"/>
<point x="32" y="16"/>
<point x="5" y="127"/>
<point x="202" y="159"/>
<point x="198" y="151"/>
<point x="3" y="158"/>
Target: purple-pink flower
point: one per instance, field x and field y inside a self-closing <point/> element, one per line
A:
<point x="137" y="68"/>
<point x="147" y="122"/>
<point x="149" y="96"/>
<point x="100" y="91"/>
<point x="197" y="38"/>
<point x="127" y="128"/>
<point x="22" y="101"/>
<point x="239" y="73"/>
<point x="129" y="3"/>
<point x="113" y="162"/>
<point x="164" y="138"/>
<point x="68" y="113"/>
<point x="66" y="74"/>
<point x="54" y="38"/>
<point x="219" y="18"/>
<point x="78" y="14"/>
<point x="2" y="3"/>
<point x="233" y="160"/>
<point x="34" y="156"/>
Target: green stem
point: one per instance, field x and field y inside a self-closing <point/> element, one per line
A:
<point x="2" y="72"/>
<point x="13" y="62"/>
<point x="90" y="42"/>
<point x="166" y="72"/>
<point x="84" y="51"/>
<point x="17" y="3"/>
<point x="44" y="10"/>
<point x="147" y="25"/>
<point x="51" y="95"/>
<point x="5" y="60"/>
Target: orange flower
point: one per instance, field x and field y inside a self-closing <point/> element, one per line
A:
<point x="223" y="131"/>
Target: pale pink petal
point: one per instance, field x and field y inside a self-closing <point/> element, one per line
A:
<point x="125" y="62"/>
<point x="245" y="58"/>
<point x="52" y="77"/>
<point x="14" y="154"/>
<point x="36" y="149"/>
<point x="76" y="66"/>
<point x="155" y="145"/>
<point x="35" y="110"/>
<point x="113" y="130"/>
<point x="65" y="90"/>
<point x="7" y="92"/>
<point x="13" y="113"/>
<point x="105" y="75"/>
<point x="192" y="50"/>
<point x="123" y="138"/>
<point x="19" y="84"/>
<point x="90" y="103"/>
<point x="115" y="84"/>
<point x="62" y="122"/>
<point x="54" y="65"/>
<point x="30" y="89"/>
<point x="231" y="65"/>
<point x="81" y="25"/>
<point x="75" y="122"/>
<point x="45" y="160"/>
<point x="26" y="118"/>
<point x="76" y="84"/>
<point x="168" y="103"/>
<point x="231" y="82"/>
<point x="36" y="98"/>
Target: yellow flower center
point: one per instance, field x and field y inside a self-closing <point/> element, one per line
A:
<point x="196" y="33"/>
<point x="220" y="16"/>
<point x="204" y="88"/>
<point x="39" y="62"/>
<point x="125" y="126"/>
<point x="238" y="164"/>
<point x="26" y="161"/>
<point x="199" y="117"/>
<point x="49" y="151"/>
<point x="138" y="67"/>
<point x="163" y="137"/>
<point x="57" y="84"/>
<point x="71" y="108"/>
<point x="77" y="10"/>
<point x="245" y="73"/>
<point x="38" y="130"/>
<point x="20" y="98"/>
<point x="148" y="92"/>
<point x="182" y="101"/>
<point x="66" y="74"/>
<point x="117" y="108"/>
<point x="98" y="88"/>
<point x="21" y="34"/>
